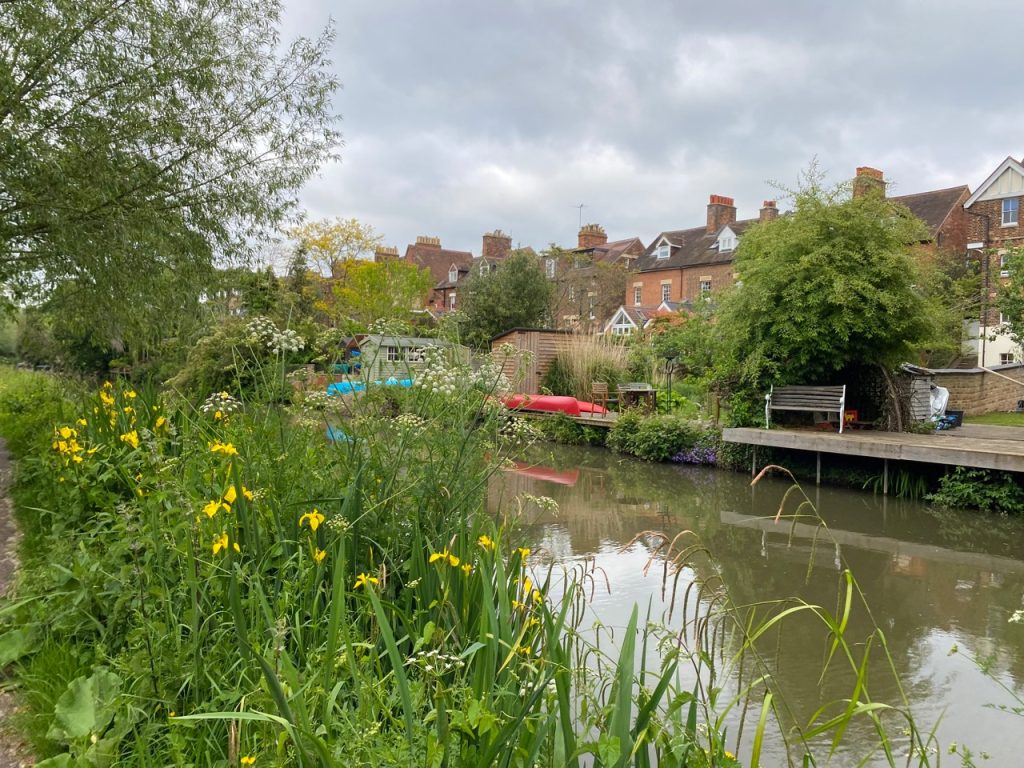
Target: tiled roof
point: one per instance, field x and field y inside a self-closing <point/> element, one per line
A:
<point x="690" y="248"/>
<point x="437" y="260"/>
<point x="616" y="249"/>
<point x="446" y="283"/>
<point x="933" y="207"/>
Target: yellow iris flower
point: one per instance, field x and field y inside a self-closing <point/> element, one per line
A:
<point x="226" y="448"/>
<point x="446" y="557"/>
<point x="132" y="438"/>
<point x="213" y="507"/>
<point x="319" y="555"/>
<point x="220" y="542"/>
<point x="486" y="542"/>
<point x="363" y="579"/>
<point x="314" y="519"/>
<point x="231" y="495"/>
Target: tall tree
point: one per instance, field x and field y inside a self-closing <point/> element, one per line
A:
<point x="517" y="293"/>
<point x="328" y="244"/>
<point x="831" y="285"/>
<point x="142" y="138"/>
<point x="366" y="291"/>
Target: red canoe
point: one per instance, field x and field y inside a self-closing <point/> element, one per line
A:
<point x="570" y="406"/>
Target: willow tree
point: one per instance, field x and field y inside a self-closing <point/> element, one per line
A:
<point x="143" y="140"/>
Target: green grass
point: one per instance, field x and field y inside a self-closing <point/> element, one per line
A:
<point x="997" y="419"/>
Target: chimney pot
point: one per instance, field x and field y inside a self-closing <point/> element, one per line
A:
<point x="429" y="242"/>
<point x="496" y="246"/>
<point x="591" y="236"/>
<point x="769" y="211"/>
<point x="868" y="179"/>
<point x="721" y="211"/>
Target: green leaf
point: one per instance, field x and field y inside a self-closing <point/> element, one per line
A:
<point x="86" y="708"/>
<point x="14" y="645"/>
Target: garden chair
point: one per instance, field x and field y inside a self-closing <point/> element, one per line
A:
<point x="599" y="394"/>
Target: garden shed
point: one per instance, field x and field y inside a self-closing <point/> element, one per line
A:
<point x="542" y="344"/>
<point x="383" y="357"/>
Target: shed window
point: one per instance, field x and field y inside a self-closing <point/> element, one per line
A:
<point x="391" y="354"/>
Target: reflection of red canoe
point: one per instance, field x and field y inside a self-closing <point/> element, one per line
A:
<point x="570" y="406"/>
<point x="552" y="475"/>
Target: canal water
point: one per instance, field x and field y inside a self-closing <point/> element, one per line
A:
<point x="941" y="585"/>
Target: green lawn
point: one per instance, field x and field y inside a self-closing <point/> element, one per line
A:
<point x="999" y="419"/>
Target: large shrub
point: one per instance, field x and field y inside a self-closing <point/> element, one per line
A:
<point x="654" y="438"/>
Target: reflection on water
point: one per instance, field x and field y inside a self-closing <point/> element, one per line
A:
<point x="934" y="580"/>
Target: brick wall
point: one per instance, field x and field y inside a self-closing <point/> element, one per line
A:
<point x="685" y="283"/>
<point x="974" y="391"/>
<point x="998" y="235"/>
<point x="955" y="232"/>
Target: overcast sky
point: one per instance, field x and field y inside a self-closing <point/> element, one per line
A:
<point x="463" y="116"/>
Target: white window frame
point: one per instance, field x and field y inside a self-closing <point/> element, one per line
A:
<point x="726" y="244"/>
<point x="1007" y="358"/>
<point x="638" y="292"/>
<point x="1011" y="207"/>
<point x="414" y="354"/>
<point x="705" y="288"/>
<point x="453" y="275"/>
<point x="1003" y="271"/>
<point x="622" y="329"/>
<point x="451" y="301"/>
<point x="663" y="252"/>
<point x="549" y="265"/>
<point x="391" y="354"/>
<point x="572" y="293"/>
<point x="592" y="303"/>
<point x="666" y="292"/>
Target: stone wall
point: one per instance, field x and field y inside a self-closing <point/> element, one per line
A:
<point x="974" y="391"/>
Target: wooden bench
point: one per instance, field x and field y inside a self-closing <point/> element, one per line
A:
<point x="799" y="398"/>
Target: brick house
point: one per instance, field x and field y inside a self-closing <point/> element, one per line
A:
<point x="686" y="265"/>
<point x="495" y="248"/>
<point x="941" y="210"/>
<point x="589" y="279"/>
<point x="995" y="229"/>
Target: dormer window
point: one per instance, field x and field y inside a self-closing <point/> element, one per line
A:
<point x="453" y="274"/>
<point x="663" y="251"/>
<point x="727" y="242"/>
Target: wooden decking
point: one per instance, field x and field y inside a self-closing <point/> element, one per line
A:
<point x="947" y="448"/>
<point x="605" y="421"/>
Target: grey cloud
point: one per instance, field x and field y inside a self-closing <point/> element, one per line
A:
<point x="460" y="117"/>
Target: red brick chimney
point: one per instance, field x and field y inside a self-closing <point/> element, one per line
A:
<point x="769" y="211"/>
<point x="428" y="242"/>
<point x="591" y="236"/>
<point x="868" y="179"/>
<point x="496" y="246"/>
<point x="721" y="211"/>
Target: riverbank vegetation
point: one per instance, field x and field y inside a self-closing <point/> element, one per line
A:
<point x="214" y="583"/>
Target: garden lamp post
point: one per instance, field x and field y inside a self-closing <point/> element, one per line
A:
<point x="670" y="364"/>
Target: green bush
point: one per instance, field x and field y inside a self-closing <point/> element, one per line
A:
<point x="653" y="438"/>
<point x="983" y="489"/>
<point x="562" y="429"/>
